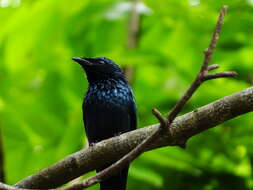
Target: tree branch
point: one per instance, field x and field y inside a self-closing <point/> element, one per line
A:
<point x="200" y="78"/>
<point x="9" y="187"/>
<point x="163" y="121"/>
<point x="219" y="75"/>
<point x="114" y="148"/>
<point x="212" y="67"/>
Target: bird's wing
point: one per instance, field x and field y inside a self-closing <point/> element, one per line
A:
<point x="85" y="119"/>
<point x="132" y="114"/>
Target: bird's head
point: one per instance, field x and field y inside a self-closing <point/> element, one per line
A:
<point x="100" y="69"/>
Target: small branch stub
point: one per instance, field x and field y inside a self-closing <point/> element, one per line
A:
<point x="163" y="121"/>
<point x="219" y="75"/>
<point x="212" y="67"/>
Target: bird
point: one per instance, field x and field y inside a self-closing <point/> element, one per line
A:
<point x="109" y="109"/>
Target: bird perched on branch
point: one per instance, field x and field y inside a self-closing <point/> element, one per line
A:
<point x="108" y="108"/>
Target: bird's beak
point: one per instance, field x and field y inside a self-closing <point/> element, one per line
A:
<point x="82" y="61"/>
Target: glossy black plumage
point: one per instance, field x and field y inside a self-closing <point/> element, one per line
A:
<point x="108" y="108"/>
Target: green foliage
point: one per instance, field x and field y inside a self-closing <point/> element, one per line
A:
<point x="42" y="89"/>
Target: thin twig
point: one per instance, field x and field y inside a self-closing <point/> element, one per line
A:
<point x="114" y="168"/>
<point x="212" y="67"/>
<point x="209" y="51"/>
<point x="204" y="68"/>
<point x="163" y="120"/>
<point x="219" y="75"/>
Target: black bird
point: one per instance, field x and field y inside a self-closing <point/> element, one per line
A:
<point x="108" y="108"/>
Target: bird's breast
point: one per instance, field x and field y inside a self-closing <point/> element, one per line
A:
<point x="108" y="96"/>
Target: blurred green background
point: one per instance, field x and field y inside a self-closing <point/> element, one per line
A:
<point x="41" y="89"/>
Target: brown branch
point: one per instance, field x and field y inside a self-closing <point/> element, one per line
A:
<point x="204" y="69"/>
<point x="112" y="149"/>
<point x="181" y="129"/>
<point x="212" y="67"/>
<point x="219" y="75"/>
<point x="209" y="51"/>
<point x="163" y="121"/>
<point x="117" y="166"/>
<point x="9" y="187"/>
<point x="128" y="158"/>
<point x="4" y="186"/>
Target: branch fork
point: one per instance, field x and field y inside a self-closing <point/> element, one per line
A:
<point x="203" y="74"/>
<point x="163" y="120"/>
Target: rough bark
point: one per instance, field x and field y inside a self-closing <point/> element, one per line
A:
<point x="114" y="148"/>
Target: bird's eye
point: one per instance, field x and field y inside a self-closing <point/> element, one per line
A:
<point x="101" y="62"/>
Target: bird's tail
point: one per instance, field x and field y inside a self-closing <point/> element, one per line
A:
<point x="116" y="182"/>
